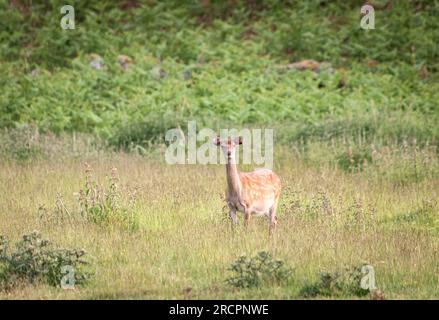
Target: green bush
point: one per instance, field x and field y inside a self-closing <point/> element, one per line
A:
<point x="336" y="284"/>
<point x="262" y="269"/>
<point x="35" y="259"/>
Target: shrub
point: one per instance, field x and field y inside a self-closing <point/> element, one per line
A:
<point x="258" y="270"/>
<point x="335" y="284"/>
<point x="35" y="259"/>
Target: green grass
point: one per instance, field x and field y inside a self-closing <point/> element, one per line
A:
<point x="184" y="247"/>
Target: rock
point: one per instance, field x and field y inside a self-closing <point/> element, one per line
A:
<point x="312" y="65"/>
<point x="159" y="72"/>
<point x="124" y="61"/>
<point x="96" y="61"/>
<point x="187" y="74"/>
<point x="35" y="72"/>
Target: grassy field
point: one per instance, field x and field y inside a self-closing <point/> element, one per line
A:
<point x="184" y="245"/>
<point x="84" y="112"/>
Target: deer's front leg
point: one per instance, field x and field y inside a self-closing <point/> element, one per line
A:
<point x="233" y="217"/>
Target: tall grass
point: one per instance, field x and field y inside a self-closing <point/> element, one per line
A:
<point x="329" y="219"/>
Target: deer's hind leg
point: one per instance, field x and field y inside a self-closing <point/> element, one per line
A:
<point x="273" y="217"/>
<point x="247" y="216"/>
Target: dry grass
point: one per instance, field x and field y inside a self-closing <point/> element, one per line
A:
<point x="184" y="246"/>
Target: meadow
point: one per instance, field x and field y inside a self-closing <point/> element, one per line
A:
<point x="183" y="245"/>
<point x="83" y="114"/>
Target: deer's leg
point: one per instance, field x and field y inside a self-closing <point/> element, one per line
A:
<point x="233" y="218"/>
<point x="273" y="218"/>
<point x="247" y="216"/>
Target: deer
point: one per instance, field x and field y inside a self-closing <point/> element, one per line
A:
<point x="253" y="193"/>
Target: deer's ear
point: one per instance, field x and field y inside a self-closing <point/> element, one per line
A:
<point x="238" y="140"/>
<point x="216" y="141"/>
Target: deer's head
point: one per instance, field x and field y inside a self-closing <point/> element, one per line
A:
<point x="228" y="146"/>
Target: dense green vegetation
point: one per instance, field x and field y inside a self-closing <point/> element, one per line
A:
<point x="221" y="64"/>
<point x="356" y="148"/>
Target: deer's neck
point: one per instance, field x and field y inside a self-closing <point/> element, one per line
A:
<point x="233" y="181"/>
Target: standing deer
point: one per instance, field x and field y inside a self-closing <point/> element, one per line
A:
<point x="252" y="193"/>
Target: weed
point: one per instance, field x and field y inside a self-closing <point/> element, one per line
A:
<point x="103" y="205"/>
<point x="262" y="269"/>
<point x="35" y="259"/>
<point x="336" y="284"/>
<point x="59" y="215"/>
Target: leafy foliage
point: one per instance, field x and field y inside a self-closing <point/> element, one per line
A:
<point x="336" y="284"/>
<point x="35" y="259"/>
<point x="183" y="52"/>
<point x="255" y="271"/>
